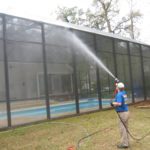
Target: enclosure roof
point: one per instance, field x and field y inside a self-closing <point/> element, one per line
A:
<point x="95" y="31"/>
<point x="81" y="28"/>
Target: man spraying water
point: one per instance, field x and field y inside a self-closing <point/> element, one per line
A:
<point x="121" y="108"/>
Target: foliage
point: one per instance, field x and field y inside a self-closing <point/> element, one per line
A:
<point x="71" y="15"/>
<point x="103" y="15"/>
<point x="134" y="16"/>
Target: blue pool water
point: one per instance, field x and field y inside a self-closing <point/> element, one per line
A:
<point x="55" y="109"/>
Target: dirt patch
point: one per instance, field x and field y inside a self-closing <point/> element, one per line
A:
<point x="143" y="104"/>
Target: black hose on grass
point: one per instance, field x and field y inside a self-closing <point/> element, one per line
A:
<point x="131" y="135"/>
<point x="79" y="141"/>
<point x="105" y="129"/>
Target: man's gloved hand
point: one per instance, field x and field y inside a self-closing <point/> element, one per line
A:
<point x="116" y="80"/>
<point x="112" y="104"/>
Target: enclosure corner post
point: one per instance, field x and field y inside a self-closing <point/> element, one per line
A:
<point x="45" y="72"/>
<point x="6" y="71"/>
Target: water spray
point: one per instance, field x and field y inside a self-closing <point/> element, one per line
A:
<point x="82" y="46"/>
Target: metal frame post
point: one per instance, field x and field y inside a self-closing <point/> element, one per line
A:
<point x="114" y="55"/>
<point x="6" y="72"/>
<point x="98" y="76"/>
<point x="75" y="81"/>
<point x="45" y="72"/>
<point x="143" y="75"/>
<point x="130" y="72"/>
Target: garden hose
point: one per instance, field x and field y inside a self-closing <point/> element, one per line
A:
<point x="101" y="130"/>
<point x="108" y="129"/>
<point x="79" y="141"/>
<point x="133" y="137"/>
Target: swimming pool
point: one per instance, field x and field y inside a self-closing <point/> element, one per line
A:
<point x="54" y="109"/>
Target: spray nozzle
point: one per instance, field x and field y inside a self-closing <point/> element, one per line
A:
<point x="116" y="80"/>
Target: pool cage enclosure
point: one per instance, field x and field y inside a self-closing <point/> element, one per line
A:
<point x="44" y="73"/>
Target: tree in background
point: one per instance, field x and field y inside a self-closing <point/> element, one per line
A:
<point x="72" y="15"/>
<point x="107" y="10"/>
<point x="134" y="17"/>
<point x="103" y="15"/>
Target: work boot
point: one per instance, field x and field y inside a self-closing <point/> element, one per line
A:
<point x="122" y="146"/>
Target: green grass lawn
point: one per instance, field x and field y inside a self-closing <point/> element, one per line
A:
<point x="59" y="136"/>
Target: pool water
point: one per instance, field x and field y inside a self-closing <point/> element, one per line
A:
<point x="54" y="109"/>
